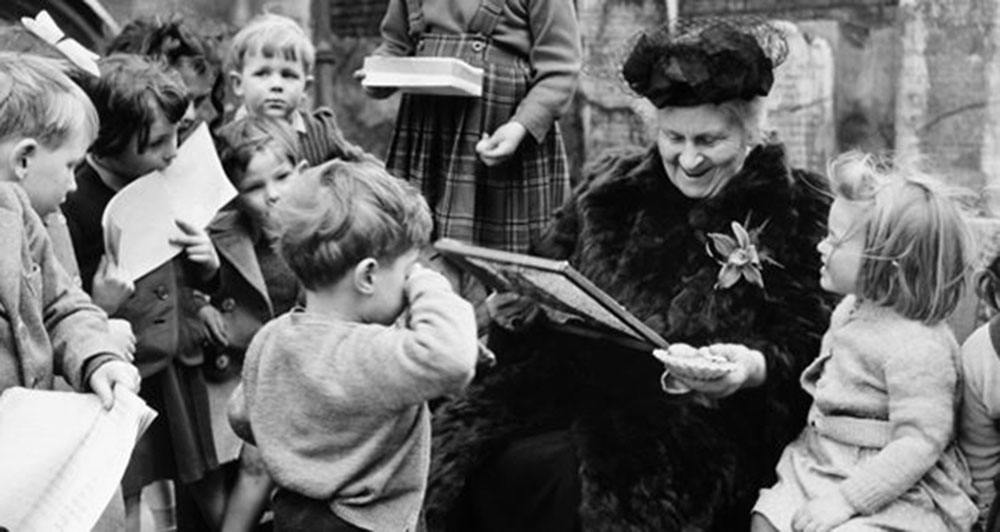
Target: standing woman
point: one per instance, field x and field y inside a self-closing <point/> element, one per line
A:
<point x="570" y="433"/>
<point x="493" y="168"/>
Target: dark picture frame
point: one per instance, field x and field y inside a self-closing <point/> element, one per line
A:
<point x="568" y="298"/>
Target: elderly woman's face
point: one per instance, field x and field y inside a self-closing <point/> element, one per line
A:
<point x="701" y="148"/>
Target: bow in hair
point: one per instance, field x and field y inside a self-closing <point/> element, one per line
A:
<point x="46" y="29"/>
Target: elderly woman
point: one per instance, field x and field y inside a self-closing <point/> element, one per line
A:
<point x="572" y="433"/>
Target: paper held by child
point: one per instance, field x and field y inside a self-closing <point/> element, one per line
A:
<point x="567" y="297"/>
<point x="62" y="456"/>
<point x="141" y="218"/>
<point x="445" y="76"/>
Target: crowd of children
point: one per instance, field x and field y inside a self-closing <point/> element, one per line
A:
<point x="293" y="346"/>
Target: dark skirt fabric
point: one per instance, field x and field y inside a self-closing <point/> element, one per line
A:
<point x="178" y="444"/>
<point x="433" y="146"/>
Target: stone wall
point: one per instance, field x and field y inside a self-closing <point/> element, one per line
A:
<point x="948" y="104"/>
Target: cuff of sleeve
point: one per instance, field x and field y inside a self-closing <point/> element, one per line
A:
<point x="91" y="365"/>
<point x="865" y="499"/>
<point x="535" y="119"/>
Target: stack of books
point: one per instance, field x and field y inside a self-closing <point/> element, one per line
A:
<point x="424" y="75"/>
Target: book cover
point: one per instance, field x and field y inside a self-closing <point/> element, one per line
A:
<point x="567" y="297"/>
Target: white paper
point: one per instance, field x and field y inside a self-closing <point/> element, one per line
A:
<point x="139" y="221"/>
<point x="62" y="456"/>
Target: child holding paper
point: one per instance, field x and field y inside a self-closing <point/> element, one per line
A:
<point x="492" y="168"/>
<point x="49" y="326"/>
<point x="270" y="65"/>
<point x="46" y="124"/>
<point x="140" y="104"/>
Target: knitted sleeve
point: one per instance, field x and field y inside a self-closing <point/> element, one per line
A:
<point x="921" y="381"/>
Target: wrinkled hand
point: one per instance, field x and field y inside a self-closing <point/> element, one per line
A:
<point x="511" y="311"/>
<point x="822" y="514"/>
<point x="378" y="93"/>
<point x="501" y="145"/>
<point x="110" y="375"/>
<point x="198" y="248"/>
<point x="122" y="336"/>
<point x="212" y="318"/>
<point x="750" y="371"/>
<point x="111" y="286"/>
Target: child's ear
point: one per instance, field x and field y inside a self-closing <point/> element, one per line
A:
<point x="22" y="156"/>
<point x="236" y="78"/>
<point x="309" y="82"/>
<point x="303" y="164"/>
<point x="364" y="276"/>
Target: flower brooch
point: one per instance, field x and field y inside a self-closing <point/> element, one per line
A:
<point x="739" y="256"/>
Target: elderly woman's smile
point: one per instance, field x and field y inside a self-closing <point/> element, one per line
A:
<point x="701" y="147"/>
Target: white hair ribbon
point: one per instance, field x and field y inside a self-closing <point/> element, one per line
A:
<point x="46" y="29"/>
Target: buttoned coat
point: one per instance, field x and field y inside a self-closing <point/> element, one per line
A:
<point x="162" y="308"/>
<point x="242" y="297"/>
<point x="48" y="326"/>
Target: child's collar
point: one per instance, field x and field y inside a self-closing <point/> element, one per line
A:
<point x="298" y="123"/>
<point x="114" y="181"/>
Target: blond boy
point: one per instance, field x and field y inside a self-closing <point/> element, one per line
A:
<point x="270" y="66"/>
<point x="46" y="123"/>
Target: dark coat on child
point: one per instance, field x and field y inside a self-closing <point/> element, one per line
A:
<point x="161" y="307"/>
<point x="242" y="297"/>
<point x="651" y="461"/>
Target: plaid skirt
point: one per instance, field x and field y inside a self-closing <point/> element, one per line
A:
<point x="433" y="146"/>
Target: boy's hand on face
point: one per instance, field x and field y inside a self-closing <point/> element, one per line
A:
<point x="198" y="247"/>
<point x="501" y="145"/>
<point x="111" y="374"/>
<point x="110" y="286"/>
<point x="212" y="318"/>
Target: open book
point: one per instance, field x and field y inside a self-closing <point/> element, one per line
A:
<point x="567" y="297"/>
<point x="62" y="456"/>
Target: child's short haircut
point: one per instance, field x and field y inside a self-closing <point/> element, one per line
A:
<point x="130" y="92"/>
<point x="272" y="35"/>
<point x="238" y="142"/>
<point x="917" y="243"/>
<point x="38" y="100"/>
<point x="338" y="214"/>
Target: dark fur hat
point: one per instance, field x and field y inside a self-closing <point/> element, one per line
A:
<point x="710" y="64"/>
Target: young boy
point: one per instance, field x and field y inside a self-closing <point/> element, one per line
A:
<point x="51" y="326"/>
<point x="260" y="157"/>
<point x="140" y="104"/>
<point x="270" y="65"/>
<point x="335" y="394"/>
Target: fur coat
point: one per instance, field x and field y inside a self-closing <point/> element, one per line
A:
<point x="648" y="460"/>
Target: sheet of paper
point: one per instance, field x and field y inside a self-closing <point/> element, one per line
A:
<point x="141" y="219"/>
<point x="62" y="456"/>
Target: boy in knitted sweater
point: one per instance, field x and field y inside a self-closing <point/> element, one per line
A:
<point x="335" y="394"/>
